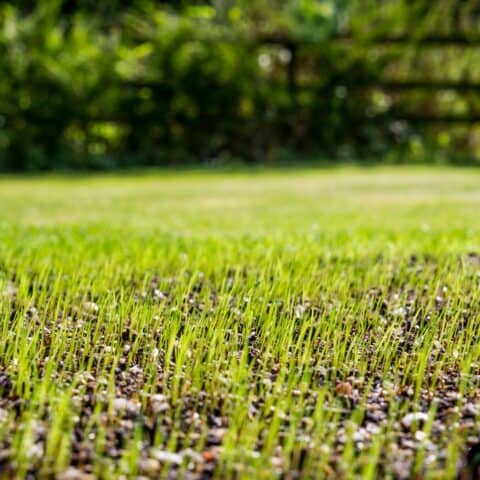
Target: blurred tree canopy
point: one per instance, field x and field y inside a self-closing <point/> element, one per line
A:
<point x="88" y="84"/>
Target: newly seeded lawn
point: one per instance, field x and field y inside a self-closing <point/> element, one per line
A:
<point x="249" y="325"/>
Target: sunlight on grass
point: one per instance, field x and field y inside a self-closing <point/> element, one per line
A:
<point x="312" y="322"/>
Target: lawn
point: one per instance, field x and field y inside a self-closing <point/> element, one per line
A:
<point x="253" y="324"/>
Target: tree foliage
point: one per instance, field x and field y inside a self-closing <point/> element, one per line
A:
<point x="89" y="84"/>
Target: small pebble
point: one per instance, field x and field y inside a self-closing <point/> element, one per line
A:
<point x="72" y="473"/>
<point x="167" y="457"/>
<point x="413" y="418"/>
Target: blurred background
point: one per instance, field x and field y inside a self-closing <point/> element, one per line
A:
<point x="88" y="84"/>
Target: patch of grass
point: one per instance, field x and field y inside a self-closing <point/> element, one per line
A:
<point x="299" y="323"/>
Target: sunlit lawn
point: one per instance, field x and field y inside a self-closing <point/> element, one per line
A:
<point x="257" y="323"/>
